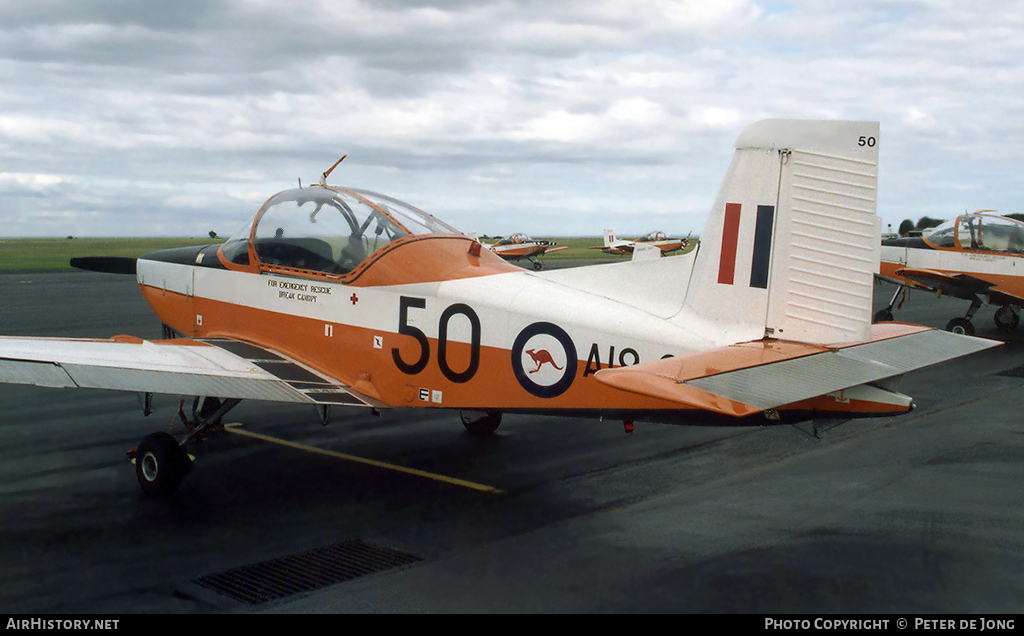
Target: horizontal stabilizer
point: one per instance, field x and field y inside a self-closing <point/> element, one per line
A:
<point x="216" y="368"/>
<point x="746" y="378"/>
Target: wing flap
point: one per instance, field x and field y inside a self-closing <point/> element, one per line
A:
<point x="220" y="368"/>
<point x="757" y="376"/>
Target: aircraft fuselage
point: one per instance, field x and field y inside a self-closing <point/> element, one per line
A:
<point x="498" y="339"/>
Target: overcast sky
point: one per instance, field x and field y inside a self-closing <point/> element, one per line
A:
<point x="137" y="118"/>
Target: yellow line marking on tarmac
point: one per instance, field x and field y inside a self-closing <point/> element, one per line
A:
<point x="236" y="429"/>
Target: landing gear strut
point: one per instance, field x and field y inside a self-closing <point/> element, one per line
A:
<point x="161" y="461"/>
<point x="885" y="315"/>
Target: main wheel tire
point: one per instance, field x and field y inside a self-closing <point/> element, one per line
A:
<point x="160" y="464"/>
<point x="482" y="425"/>
<point x="1006" y="318"/>
<point x="961" y="326"/>
<point x="882" y="315"/>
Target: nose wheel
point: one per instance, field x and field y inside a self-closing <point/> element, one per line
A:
<point x="885" y="315"/>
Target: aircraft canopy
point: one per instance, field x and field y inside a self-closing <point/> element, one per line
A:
<point x="515" y="239"/>
<point x="657" y="235"/>
<point x="984" y="232"/>
<point x="328" y="229"/>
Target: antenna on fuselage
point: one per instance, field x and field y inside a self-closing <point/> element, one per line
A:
<point x="323" y="177"/>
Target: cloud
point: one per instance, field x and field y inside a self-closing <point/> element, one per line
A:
<point x="527" y="116"/>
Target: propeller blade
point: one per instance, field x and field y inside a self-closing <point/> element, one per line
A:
<point x="105" y="264"/>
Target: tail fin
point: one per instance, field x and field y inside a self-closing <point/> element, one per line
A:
<point x="792" y="243"/>
<point x="609" y="238"/>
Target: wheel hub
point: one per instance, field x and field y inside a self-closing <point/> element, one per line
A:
<point x="150" y="467"/>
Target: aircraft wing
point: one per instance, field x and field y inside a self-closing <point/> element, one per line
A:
<point x="751" y="377"/>
<point x="959" y="285"/>
<point x="219" y="367"/>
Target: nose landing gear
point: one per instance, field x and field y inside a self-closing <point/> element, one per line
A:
<point x="885" y="315"/>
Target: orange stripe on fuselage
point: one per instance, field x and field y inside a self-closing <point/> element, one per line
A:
<point x="349" y="356"/>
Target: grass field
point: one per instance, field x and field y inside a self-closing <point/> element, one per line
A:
<point x="53" y="254"/>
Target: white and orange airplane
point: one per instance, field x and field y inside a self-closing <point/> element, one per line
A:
<point x="656" y="239"/>
<point x="337" y="297"/>
<point x="977" y="257"/>
<point x="520" y="246"/>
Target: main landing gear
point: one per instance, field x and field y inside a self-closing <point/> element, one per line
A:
<point x="964" y="326"/>
<point x="161" y="461"/>
<point x="1006" y="318"/>
<point x="480" y="423"/>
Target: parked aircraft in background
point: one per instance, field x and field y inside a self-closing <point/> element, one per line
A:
<point x="520" y="246"/>
<point x="656" y="239"/>
<point x="977" y="257"/>
<point x="337" y="297"/>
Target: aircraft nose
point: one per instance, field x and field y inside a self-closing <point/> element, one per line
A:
<point x="105" y="264"/>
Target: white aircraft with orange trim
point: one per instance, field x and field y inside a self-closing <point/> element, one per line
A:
<point x="972" y="257"/>
<point x="656" y="239"/>
<point x="519" y="246"/>
<point x="339" y="297"/>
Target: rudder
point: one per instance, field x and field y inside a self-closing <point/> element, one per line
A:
<point x="792" y="244"/>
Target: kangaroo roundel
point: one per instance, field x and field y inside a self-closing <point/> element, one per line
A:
<point x="544" y="359"/>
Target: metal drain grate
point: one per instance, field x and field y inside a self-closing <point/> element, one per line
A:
<point x="305" y="572"/>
